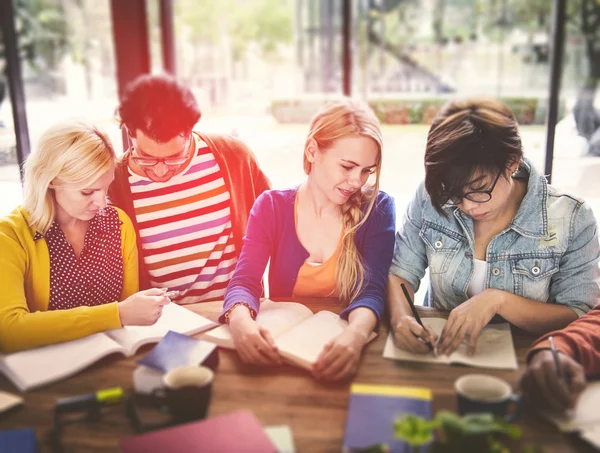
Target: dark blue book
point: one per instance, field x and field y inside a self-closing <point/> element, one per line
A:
<point x="177" y="350"/>
<point x="373" y="409"/>
<point x="18" y="441"/>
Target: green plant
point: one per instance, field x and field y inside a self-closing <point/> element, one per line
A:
<point x="472" y="432"/>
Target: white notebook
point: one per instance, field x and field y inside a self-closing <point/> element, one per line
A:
<point x="36" y="367"/>
<point x="299" y="334"/>
<point x="584" y="416"/>
<point x="495" y="348"/>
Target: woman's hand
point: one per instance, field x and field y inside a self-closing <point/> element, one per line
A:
<point x="340" y="357"/>
<point x="253" y="343"/>
<point x="143" y="308"/>
<point x="410" y="336"/>
<point x="467" y="320"/>
<point x="542" y="386"/>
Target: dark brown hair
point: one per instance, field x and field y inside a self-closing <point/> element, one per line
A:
<point x="476" y="135"/>
<point x="159" y="106"/>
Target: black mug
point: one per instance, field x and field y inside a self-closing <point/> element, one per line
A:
<point x="186" y="391"/>
<point x="482" y="393"/>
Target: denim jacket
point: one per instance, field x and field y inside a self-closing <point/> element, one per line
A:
<point x="548" y="253"/>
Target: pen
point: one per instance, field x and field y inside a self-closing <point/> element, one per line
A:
<point x="415" y="314"/>
<point x="89" y="400"/>
<point x="559" y="370"/>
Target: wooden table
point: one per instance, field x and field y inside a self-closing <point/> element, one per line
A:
<point x="315" y="411"/>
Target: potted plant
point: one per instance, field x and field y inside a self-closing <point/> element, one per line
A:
<point x="472" y="432"/>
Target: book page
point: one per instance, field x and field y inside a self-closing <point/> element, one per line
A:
<point x="174" y="317"/>
<point x="390" y="351"/>
<point x="35" y="367"/>
<point x="584" y="415"/>
<point x="494" y="348"/>
<point x="276" y="317"/>
<point x="303" y="344"/>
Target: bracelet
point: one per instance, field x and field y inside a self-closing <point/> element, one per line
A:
<point x="245" y="304"/>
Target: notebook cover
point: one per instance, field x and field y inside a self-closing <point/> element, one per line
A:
<point x="175" y="350"/>
<point x="18" y="440"/>
<point x="373" y="410"/>
<point x="238" y="432"/>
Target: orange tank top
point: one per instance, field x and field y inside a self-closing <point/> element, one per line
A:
<point x="317" y="279"/>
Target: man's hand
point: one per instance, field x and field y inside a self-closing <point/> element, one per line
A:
<point x="542" y="386"/>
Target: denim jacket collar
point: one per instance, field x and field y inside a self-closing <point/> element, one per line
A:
<point x="531" y="219"/>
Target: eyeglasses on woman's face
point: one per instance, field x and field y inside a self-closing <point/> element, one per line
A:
<point x="476" y="196"/>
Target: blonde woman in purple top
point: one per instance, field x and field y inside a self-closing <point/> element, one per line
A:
<point x="331" y="236"/>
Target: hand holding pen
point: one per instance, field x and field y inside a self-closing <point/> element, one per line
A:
<point x="553" y="380"/>
<point x="410" y="333"/>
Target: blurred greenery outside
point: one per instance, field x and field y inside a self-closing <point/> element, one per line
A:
<point x="256" y="64"/>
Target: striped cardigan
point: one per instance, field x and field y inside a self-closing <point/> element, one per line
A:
<point x="244" y="179"/>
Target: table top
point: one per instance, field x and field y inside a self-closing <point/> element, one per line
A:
<point x="315" y="411"/>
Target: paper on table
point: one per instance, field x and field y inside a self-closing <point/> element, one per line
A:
<point x="494" y="348"/>
<point x="584" y="415"/>
<point x="592" y="435"/>
<point x="8" y="401"/>
<point x="281" y="436"/>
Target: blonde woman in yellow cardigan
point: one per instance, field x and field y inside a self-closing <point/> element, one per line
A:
<point x="67" y="259"/>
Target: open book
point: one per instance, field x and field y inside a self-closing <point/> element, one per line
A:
<point x="494" y="348"/>
<point x="299" y="334"/>
<point x="39" y="366"/>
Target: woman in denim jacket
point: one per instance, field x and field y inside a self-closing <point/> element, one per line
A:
<point x="497" y="239"/>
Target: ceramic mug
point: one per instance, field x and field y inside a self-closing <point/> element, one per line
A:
<point x="480" y="393"/>
<point x="186" y="391"/>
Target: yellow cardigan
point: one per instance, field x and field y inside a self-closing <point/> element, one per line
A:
<point x="25" y="321"/>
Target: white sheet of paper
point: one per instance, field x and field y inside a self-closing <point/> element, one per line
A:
<point x="281" y="436"/>
<point x="584" y="415"/>
<point x="8" y="401"/>
<point x="592" y="435"/>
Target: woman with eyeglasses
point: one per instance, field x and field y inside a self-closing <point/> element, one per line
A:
<point x="68" y="262"/>
<point x="496" y="238"/>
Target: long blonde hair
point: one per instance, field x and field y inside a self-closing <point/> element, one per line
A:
<point x="340" y="119"/>
<point x="67" y="153"/>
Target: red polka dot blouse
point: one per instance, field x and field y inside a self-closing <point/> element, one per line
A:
<point x="96" y="277"/>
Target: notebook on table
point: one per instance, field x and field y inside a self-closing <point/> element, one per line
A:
<point x="237" y="432"/>
<point x="299" y="334"/>
<point x="18" y="441"/>
<point x="373" y="409"/>
<point x="35" y="367"/>
<point x="176" y="350"/>
<point x="495" y="348"/>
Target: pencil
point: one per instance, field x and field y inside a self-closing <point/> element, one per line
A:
<point x="415" y="313"/>
<point x="559" y="370"/>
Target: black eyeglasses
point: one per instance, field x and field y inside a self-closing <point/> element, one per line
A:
<point x="171" y="161"/>
<point x="476" y="196"/>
